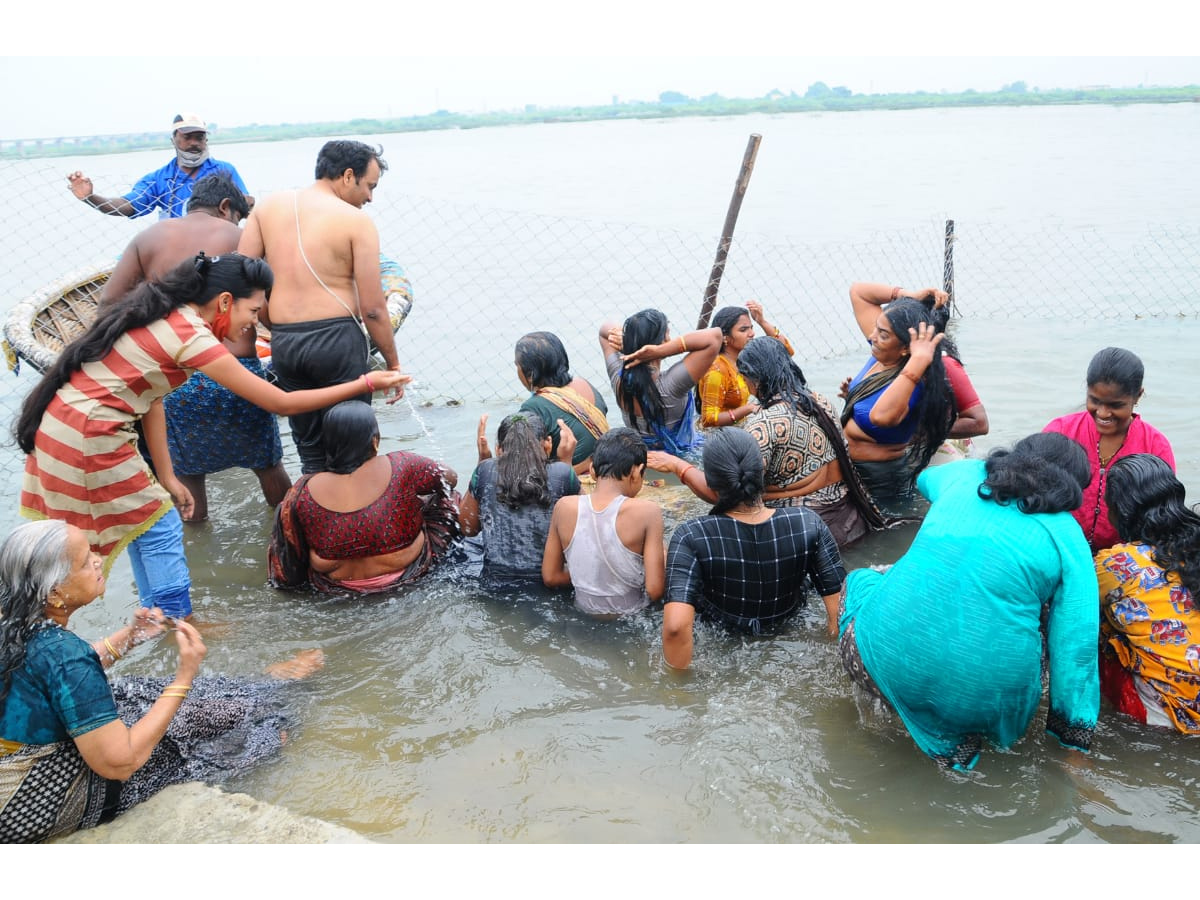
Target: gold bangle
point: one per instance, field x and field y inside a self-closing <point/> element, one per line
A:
<point x="112" y="651"/>
<point x="686" y="469"/>
<point x="776" y="331"/>
<point x="179" y="695"/>
<point x="181" y="687"/>
<point x="683" y="343"/>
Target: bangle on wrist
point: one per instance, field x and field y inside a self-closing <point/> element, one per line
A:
<point x="683" y="472"/>
<point x="112" y="651"/>
<point x="180" y="687"/>
<point x="682" y="344"/>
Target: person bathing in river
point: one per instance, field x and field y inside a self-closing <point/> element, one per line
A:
<point x="745" y="565"/>
<point x="804" y="453"/>
<point x="367" y="523"/>
<point x="608" y="545"/>
<point x="543" y="368"/>
<point x="209" y="428"/>
<point x="1108" y="430"/>
<point x="899" y="408"/>
<point x="76" y="427"/>
<point x="658" y="405"/>
<point x="724" y="396"/>
<point x="511" y="497"/>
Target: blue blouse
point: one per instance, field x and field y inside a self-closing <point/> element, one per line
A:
<point x="891" y="434"/>
<point x="59" y="692"/>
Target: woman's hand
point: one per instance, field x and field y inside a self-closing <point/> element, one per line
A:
<point x="180" y="496"/>
<point x="756" y="311"/>
<point x="390" y="380"/>
<point x="648" y="353"/>
<point x="146" y="624"/>
<point x="923" y="340"/>
<point x="191" y="651"/>
<point x="844" y="390"/>
<point x="481" y="441"/>
<point x="567" y="442"/>
<point x="660" y="461"/>
<point x="614" y="339"/>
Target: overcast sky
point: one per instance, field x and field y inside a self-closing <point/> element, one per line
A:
<point x="469" y="57"/>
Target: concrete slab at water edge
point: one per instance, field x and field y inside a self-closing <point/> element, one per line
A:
<point x="195" y="813"/>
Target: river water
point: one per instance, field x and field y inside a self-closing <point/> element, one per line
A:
<point x="446" y="714"/>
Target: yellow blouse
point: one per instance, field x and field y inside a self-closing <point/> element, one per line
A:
<point x="722" y="388"/>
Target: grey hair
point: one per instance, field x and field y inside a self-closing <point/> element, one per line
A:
<point x="34" y="560"/>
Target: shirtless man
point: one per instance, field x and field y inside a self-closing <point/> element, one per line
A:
<point x="324" y="251"/>
<point x="208" y="427"/>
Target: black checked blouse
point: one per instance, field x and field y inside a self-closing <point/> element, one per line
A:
<point x="752" y="577"/>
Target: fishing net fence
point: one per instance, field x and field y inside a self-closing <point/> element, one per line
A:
<point x="483" y="277"/>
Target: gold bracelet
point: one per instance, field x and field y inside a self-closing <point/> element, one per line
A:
<point x="178" y="695"/>
<point x="112" y="651"/>
<point x="683" y="343"/>
<point x="181" y="687"/>
<point x="776" y="331"/>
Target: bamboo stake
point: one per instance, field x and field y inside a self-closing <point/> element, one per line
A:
<point x="948" y="266"/>
<point x="735" y="206"/>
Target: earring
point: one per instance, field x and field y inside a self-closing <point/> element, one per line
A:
<point x="61" y="604"/>
<point x="224" y="306"/>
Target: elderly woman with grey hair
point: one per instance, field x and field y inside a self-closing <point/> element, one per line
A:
<point x="68" y="760"/>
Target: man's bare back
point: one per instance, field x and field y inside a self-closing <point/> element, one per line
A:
<point x="163" y="246"/>
<point x="341" y="245"/>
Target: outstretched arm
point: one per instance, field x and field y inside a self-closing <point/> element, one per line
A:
<point x="81" y="186"/>
<point x="364" y="244"/>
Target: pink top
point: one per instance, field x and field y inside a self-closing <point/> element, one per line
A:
<point x="1080" y="427"/>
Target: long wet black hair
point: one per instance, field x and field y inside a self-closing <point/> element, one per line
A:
<point x="935" y="410"/>
<point x="521" y="466"/>
<point x="733" y="468"/>
<point x="638" y="384"/>
<point x="33" y="561"/>
<point x="1044" y="473"/>
<point x="348" y="433"/>
<point x="1146" y="502"/>
<point x="196" y="280"/>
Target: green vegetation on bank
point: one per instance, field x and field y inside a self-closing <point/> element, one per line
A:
<point x="818" y="98"/>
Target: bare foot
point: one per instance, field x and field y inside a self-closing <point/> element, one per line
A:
<point x="299" y="666"/>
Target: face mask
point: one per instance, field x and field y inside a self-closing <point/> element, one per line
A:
<point x="191" y="159"/>
<point x="221" y="324"/>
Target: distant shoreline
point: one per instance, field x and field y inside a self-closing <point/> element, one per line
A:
<point x="818" y="98"/>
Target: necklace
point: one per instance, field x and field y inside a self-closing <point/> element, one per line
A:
<point x="1104" y="463"/>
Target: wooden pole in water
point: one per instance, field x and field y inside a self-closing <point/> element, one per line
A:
<point x="948" y="267"/>
<point x="735" y="206"/>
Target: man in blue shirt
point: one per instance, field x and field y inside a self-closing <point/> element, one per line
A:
<point x="167" y="189"/>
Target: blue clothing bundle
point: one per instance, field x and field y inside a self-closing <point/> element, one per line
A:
<point x="951" y="633"/>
